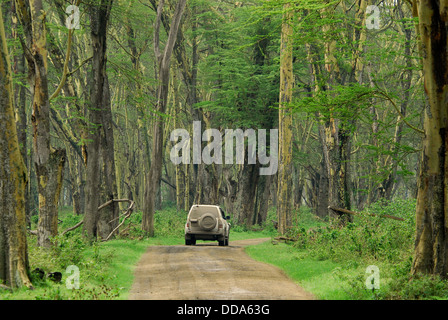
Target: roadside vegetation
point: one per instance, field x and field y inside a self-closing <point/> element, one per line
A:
<point x="323" y="257"/>
<point x="331" y="261"/>
<point x="105" y="268"/>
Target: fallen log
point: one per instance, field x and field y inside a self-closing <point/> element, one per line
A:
<point x="3" y="287"/>
<point x="341" y="210"/>
<point x="286" y="239"/>
<point x="101" y="207"/>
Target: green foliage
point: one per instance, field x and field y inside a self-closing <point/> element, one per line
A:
<point x="241" y="73"/>
<point x="367" y="238"/>
<point x="170" y="223"/>
<point x="421" y="287"/>
<point x="330" y="260"/>
<point x="106" y="268"/>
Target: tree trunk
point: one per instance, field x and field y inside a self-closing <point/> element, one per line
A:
<point x="248" y="192"/>
<point x="337" y="155"/>
<point x="49" y="163"/>
<point x="163" y="62"/>
<point x="13" y="178"/>
<point x="263" y="196"/>
<point x="284" y="191"/>
<point x="430" y="255"/>
<point x="99" y="133"/>
<point x="20" y="102"/>
<point x="109" y="189"/>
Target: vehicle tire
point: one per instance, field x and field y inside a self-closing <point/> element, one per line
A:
<point x="226" y="242"/>
<point x="193" y="241"/>
<point x="187" y="242"/>
<point x="207" y="222"/>
<point x="221" y="243"/>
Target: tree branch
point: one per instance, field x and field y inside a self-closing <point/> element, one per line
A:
<point x="128" y="213"/>
<point x="340" y="210"/>
<point x="67" y="58"/>
<point x="385" y="95"/>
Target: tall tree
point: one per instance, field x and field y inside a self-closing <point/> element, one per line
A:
<point x="431" y="245"/>
<point x="49" y="162"/>
<point x="163" y="76"/>
<point x="13" y="179"/>
<point x="284" y="199"/>
<point x="100" y="149"/>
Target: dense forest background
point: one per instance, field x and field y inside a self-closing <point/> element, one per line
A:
<point x="95" y="105"/>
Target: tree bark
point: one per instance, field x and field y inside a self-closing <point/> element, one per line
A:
<point x="100" y="146"/>
<point x="49" y="162"/>
<point x="18" y="69"/>
<point x="163" y="62"/>
<point x="13" y="178"/>
<point x="430" y="255"/>
<point x="109" y="188"/>
<point x="284" y="192"/>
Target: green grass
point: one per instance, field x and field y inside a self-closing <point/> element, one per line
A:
<point x="317" y="277"/>
<point x="126" y="254"/>
<point x="326" y="259"/>
<point x="330" y="260"/>
<point x="106" y="268"/>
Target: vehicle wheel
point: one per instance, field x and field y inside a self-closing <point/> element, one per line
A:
<point x="187" y="242"/>
<point x="221" y="242"/>
<point x="207" y="222"/>
<point x="193" y="241"/>
<point x="226" y="241"/>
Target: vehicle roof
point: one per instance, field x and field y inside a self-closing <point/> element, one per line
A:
<point x="204" y="208"/>
<point x="204" y="205"/>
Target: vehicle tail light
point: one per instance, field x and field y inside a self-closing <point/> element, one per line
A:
<point x="219" y="225"/>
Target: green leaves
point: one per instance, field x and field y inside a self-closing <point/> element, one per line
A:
<point x="240" y="72"/>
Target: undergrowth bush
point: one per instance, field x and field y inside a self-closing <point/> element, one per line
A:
<point x="372" y="238"/>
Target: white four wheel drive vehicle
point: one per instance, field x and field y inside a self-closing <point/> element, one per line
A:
<point x="207" y="222"/>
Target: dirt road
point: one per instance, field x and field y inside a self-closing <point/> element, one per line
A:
<point x="209" y="272"/>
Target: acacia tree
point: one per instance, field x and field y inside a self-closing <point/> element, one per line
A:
<point x="101" y="145"/>
<point x="13" y="179"/>
<point x="284" y="202"/>
<point x="431" y="245"/>
<point x="163" y="77"/>
<point x="48" y="161"/>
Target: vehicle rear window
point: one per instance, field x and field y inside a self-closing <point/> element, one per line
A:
<point x="197" y="211"/>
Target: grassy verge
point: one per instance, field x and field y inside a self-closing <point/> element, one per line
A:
<point x="317" y="277"/>
<point x="331" y="261"/>
<point x="326" y="259"/>
<point x="105" y="268"/>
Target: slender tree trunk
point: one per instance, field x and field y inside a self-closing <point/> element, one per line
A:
<point x="13" y="178"/>
<point x="109" y="180"/>
<point x="155" y="172"/>
<point x="20" y="101"/>
<point x="430" y="255"/>
<point x="284" y="188"/>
